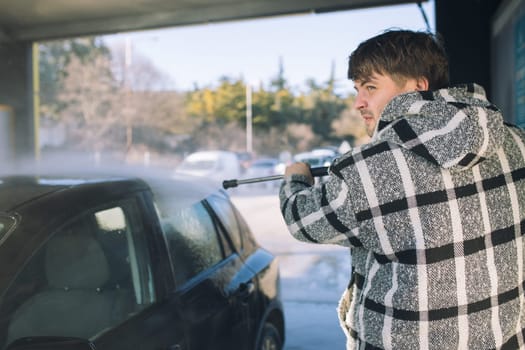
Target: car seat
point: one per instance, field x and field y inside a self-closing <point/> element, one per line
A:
<point x="74" y="302"/>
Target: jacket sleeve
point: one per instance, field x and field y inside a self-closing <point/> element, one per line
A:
<point x="358" y="205"/>
<point x="321" y="213"/>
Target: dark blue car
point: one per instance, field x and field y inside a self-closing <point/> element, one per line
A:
<point x="120" y="262"/>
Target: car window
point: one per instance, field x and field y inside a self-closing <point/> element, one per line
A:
<point x="126" y="246"/>
<point x="92" y="274"/>
<point x="223" y="208"/>
<point x="192" y="239"/>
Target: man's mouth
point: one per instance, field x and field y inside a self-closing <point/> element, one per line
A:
<point x="367" y="117"/>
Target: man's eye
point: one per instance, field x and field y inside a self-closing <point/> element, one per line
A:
<point x="370" y="87"/>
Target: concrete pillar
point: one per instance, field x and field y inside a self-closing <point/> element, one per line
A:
<point x="466" y="28"/>
<point x="7" y="135"/>
<point x="16" y="95"/>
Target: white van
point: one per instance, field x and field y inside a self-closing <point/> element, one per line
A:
<point x="215" y="165"/>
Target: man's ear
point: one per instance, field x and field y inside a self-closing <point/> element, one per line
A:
<point x="422" y="84"/>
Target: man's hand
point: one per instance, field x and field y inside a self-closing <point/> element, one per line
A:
<point x="299" y="169"/>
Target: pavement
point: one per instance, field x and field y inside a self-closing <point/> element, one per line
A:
<point x="313" y="277"/>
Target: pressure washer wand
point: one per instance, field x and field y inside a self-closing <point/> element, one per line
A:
<point x="319" y="171"/>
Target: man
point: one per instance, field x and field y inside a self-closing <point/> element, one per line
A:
<point x="433" y="208"/>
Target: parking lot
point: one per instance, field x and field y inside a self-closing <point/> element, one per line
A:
<point x="313" y="276"/>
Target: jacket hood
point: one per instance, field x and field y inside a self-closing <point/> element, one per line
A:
<point x="455" y="128"/>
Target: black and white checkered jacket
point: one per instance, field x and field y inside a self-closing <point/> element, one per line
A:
<point x="433" y="209"/>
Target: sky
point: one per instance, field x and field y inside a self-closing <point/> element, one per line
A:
<point x="308" y="45"/>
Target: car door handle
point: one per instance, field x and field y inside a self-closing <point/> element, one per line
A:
<point x="245" y="290"/>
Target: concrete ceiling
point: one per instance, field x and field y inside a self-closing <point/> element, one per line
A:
<point x="34" y="20"/>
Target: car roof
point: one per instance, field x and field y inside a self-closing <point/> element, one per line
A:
<point x="210" y="155"/>
<point x="17" y="189"/>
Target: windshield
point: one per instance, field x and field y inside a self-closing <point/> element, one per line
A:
<point x="7" y="223"/>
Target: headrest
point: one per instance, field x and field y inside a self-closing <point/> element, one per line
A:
<point x="75" y="261"/>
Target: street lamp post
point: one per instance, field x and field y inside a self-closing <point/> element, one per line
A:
<point x="249" y="136"/>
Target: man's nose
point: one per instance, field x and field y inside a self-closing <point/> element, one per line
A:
<point x="360" y="102"/>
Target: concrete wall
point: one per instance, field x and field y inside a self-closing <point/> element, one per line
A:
<point x="16" y="94"/>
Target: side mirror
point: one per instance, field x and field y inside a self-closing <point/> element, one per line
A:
<point x="51" y="343"/>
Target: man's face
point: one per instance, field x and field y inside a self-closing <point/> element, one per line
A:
<point x="374" y="93"/>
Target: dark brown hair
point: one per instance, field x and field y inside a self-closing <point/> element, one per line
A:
<point x="401" y="54"/>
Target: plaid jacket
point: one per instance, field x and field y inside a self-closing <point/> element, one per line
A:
<point x="433" y="209"/>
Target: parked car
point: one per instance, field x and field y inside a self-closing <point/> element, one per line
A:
<point x="214" y="165"/>
<point x="321" y="157"/>
<point x="317" y="157"/>
<point x="245" y="159"/>
<point x="120" y="262"/>
<point x="263" y="167"/>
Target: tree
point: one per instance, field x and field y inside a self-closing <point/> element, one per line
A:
<point x="142" y="95"/>
<point x="110" y="100"/>
<point x="221" y="114"/>
<point x="102" y="102"/>
<point x="279" y="82"/>
<point x="89" y="97"/>
<point x="223" y="105"/>
<point x="54" y="58"/>
<point x="322" y="107"/>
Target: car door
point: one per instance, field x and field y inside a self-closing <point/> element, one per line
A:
<point x="94" y="278"/>
<point x="208" y="276"/>
<point x="156" y="324"/>
<point x="246" y="298"/>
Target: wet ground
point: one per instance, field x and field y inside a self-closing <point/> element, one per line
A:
<point x="313" y="276"/>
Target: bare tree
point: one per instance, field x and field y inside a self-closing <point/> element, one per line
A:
<point x="146" y="96"/>
<point x="89" y="94"/>
<point x="107" y="103"/>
